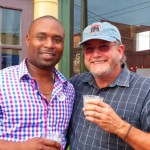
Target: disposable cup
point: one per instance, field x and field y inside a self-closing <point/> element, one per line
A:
<point x="86" y="98"/>
<point x="55" y="136"/>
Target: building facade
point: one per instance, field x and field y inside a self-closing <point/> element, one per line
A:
<point x="131" y="17"/>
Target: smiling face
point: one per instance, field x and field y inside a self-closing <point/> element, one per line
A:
<point x="45" y="42"/>
<point x="102" y="58"/>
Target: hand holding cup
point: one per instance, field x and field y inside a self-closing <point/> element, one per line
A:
<point x="54" y="136"/>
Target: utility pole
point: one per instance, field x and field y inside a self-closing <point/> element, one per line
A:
<point x="84" y="22"/>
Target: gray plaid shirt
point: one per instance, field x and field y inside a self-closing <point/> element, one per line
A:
<point x="128" y="95"/>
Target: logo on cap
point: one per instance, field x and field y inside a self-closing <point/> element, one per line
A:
<point x="95" y="28"/>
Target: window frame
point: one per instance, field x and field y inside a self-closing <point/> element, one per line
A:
<point x="26" y="8"/>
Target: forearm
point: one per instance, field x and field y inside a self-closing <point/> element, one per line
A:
<point x="7" y="145"/>
<point x="138" y="139"/>
<point x="135" y="138"/>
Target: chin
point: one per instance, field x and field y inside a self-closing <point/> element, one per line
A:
<point x="99" y="72"/>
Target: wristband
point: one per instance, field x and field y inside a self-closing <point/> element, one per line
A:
<point x="127" y="132"/>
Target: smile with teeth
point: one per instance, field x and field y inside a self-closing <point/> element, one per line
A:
<point x="48" y="54"/>
<point x="99" y="62"/>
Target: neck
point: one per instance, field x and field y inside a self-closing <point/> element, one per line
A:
<point x="103" y="81"/>
<point x="37" y="73"/>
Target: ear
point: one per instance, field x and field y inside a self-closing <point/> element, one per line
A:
<point x="27" y="39"/>
<point x="121" y="50"/>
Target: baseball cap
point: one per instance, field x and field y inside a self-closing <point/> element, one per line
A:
<point x="101" y="30"/>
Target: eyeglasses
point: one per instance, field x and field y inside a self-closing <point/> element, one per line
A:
<point x="103" y="47"/>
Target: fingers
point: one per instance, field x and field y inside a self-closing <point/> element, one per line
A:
<point x="51" y="143"/>
<point x="52" y="148"/>
<point x="97" y="117"/>
<point x="48" y="148"/>
<point x="97" y="114"/>
<point x="105" y="117"/>
<point x="93" y="114"/>
<point x="100" y="107"/>
<point x="95" y="108"/>
<point x="44" y="144"/>
<point x="98" y="103"/>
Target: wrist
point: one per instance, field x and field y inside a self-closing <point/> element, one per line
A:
<point x="128" y="132"/>
<point x="122" y="130"/>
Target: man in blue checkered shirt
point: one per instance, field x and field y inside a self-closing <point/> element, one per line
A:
<point x="122" y="120"/>
<point x="36" y="100"/>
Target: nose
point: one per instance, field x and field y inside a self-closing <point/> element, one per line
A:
<point x="49" y="43"/>
<point x="96" y="52"/>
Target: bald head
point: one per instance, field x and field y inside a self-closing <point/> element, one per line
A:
<point x="52" y="18"/>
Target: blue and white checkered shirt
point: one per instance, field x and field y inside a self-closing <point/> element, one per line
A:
<point x="24" y="110"/>
<point x="128" y="95"/>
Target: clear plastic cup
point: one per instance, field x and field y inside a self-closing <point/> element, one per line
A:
<point x="55" y="136"/>
<point x="91" y="97"/>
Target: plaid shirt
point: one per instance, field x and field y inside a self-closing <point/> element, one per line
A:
<point x="128" y="95"/>
<point x="25" y="112"/>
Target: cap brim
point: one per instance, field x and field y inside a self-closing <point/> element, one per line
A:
<point x="106" y="38"/>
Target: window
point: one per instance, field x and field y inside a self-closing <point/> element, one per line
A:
<point x="143" y="41"/>
<point x="10" y="57"/>
<point x="10" y="30"/>
<point x="15" y="18"/>
<point x="10" y="36"/>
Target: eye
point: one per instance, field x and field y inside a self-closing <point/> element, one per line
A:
<point x="89" y="49"/>
<point x="41" y="37"/>
<point x="58" y="40"/>
<point x="104" y="47"/>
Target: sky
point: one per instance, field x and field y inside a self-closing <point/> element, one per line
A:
<point x="131" y="12"/>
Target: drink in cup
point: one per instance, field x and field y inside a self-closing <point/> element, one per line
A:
<point x="91" y="97"/>
<point x="55" y="136"/>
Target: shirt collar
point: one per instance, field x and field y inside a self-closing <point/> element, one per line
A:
<point x="122" y="80"/>
<point x="24" y="73"/>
